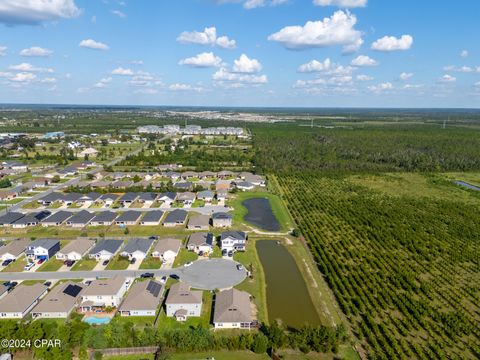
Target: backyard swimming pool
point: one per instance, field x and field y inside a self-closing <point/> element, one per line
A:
<point x="95" y="320"/>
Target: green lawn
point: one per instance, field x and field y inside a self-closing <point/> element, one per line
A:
<point x="184" y="256"/>
<point x="118" y="263"/>
<point x="151" y="263"/>
<point x="278" y="208"/>
<point x="16" y="266"/>
<point x="216" y="253"/>
<point x="51" y="265"/>
<point x="255" y="286"/>
<point x="31" y="205"/>
<point x="84" y="265"/>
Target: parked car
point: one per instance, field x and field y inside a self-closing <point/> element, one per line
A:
<point x="41" y="261"/>
<point x="69" y="263"/>
<point x="175" y="276"/>
<point x="7" y="262"/>
<point x="133" y="261"/>
<point x="188" y="264"/>
<point x="230" y="253"/>
<point x="29" y="266"/>
<point x="224" y="252"/>
<point x="147" y="275"/>
<point x="105" y="263"/>
<point x="153" y="237"/>
<point x="163" y="280"/>
<point x="47" y="283"/>
<point x="239" y="267"/>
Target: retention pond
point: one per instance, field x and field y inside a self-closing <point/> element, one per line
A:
<point x="260" y="214"/>
<point x="287" y="294"/>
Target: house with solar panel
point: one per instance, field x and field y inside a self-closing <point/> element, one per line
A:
<point x="60" y="301"/>
<point x="143" y="299"/>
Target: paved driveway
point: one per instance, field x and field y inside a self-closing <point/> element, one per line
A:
<point x="205" y="274"/>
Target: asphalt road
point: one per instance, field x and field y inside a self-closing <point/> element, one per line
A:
<point x="208" y="274"/>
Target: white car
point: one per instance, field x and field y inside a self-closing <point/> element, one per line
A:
<point x="29" y="266"/>
<point x="163" y="280"/>
<point x="188" y="264"/>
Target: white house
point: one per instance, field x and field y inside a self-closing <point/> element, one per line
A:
<point x="143" y="299"/>
<point x="182" y="302"/>
<point x="102" y="293"/>
<point x="167" y="249"/>
<point x="233" y="240"/>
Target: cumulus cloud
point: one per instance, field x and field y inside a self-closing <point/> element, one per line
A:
<point x="27" y="67"/>
<point x="206" y="37"/>
<point x="246" y="65"/>
<point x="391" y="43"/>
<point x="362" y="77"/>
<point x="34" y="12"/>
<point x="36" y="51"/>
<point x="363" y="60"/>
<point x="381" y="87"/>
<point x="202" y="60"/>
<point x="102" y="83"/>
<point x="447" y="78"/>
<point x="223" y="76"/>
<point x="3" y="50"/>
<point x="121" y="71"/>
<point x="326" y="66"/>
<point x="185" y="87"/>
<point x="22" y="77"/>
<point x="341" y="3"/>
<point x="92" y="44"/>
<point x="460" y="69"/>
<point x="253" y="4"/>
<point x="119" y="14"/>
<point x="339" y="29"/>
<point x="405" y="76"/>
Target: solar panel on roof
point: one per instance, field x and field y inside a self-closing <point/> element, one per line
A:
<point x="72" y="290"/>
<point x="154" y="288"/>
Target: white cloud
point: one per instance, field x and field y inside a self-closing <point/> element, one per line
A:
<point x="335" y="30"/>
<point x="102" y="83"/>
<point x="136" y="62"/>
<point x="26" y="67"/>
<point x="253" y="4"/>
<point x="184" y="87"/>
<point x="92" y="44"/>
<point x="326" y="66"/>
<point x="464" y="54"/>
<point x="119" y="13"/>
<point x="224" y="76"/>
<point x="461" y="69"/>
<point x="246" y="65"/>
<point x="202" y="60"/>
<point x="381" y="87"/>
<point x="206" y="37"/>
<point x="48" y="80"/>
<point x="36" y="51"/>
<point x="447" y="78"/>
<point x="341" y="3"/>
<point x="362" y="77"/>
<point x="121" y="71"/>
<point x="405" y="76"/>
<point x="3" y="50"/>
<point x="34" y="12"/>
<point x="391" y="43"/>
<point x="363" y="60"/>
<point x="23" y="77"/>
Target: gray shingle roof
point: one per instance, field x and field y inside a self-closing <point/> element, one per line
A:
<point x="112" y="197"/>
<point x="221" y="216"/>
<point x="33" y="217"/>
<point x="200" y="239"/>
<point x="105" y="216"/>
<point x="153" y="216"/>
<point x="129" y="196"/>
<point x="10" y="218"/>
<point x="142" y="245"/>
<point x="237" y="235"/>
<point x="109" y="245"/>
<point x="82" y="217"/>
<point x="58" y="218"/>
<point x="45" y="243"/>
<point x="176" y="216"/>
<point x="130" y="215"/>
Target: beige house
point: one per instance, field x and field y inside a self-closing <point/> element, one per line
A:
<point x="75" y="249"/>
<point x="183" y="302"/>
<point x="21" y="300"/>
<point x="198" y="222"/>
<point x="60" y="301"/>
<point x="13" y="249"/>
<point x="232" y="310"/>
<point x="143" y="299"/>
<point x="104" y="292"/>
<point x="167" y="249"/>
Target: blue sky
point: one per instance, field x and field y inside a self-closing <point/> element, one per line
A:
<point x="315" y="53"/>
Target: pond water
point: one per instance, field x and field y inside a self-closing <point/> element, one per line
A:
<point x="260" y="214"/>
<point x="287" y="294"/>
<point x="467" y="185"/>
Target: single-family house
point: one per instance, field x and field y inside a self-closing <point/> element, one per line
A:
<point x="147" y="198"/>
<point x="130" y="217"/>
<point x="225" y="174"/>
<point x="201" y="242"/>
<point x="207" y="174"/>
<point x="182" y="302"/>
<point x="137" y="248"/>
<point x="7" y="195"/>
<point x="42" y="249"/>
<point x="186" y="198"/>
<point x="70" y="198"/>
<point x="51" y="198"/>
<point x="105" y="249"/>
<point x="18" y="303"/>
<point x="60" y="301"/>
<point x="10" y="217"/>
<point x="103" y="218"/>
<point x="221" y="220"/>
<point x="167" y="249"/>
<point x="232" y="310"/>
<point x="57" y="218"/>
<point x="88" y="199"/>
<point x="16" y="166"/>
<point x="244" y="185"/>
<point x="108" y="199"/>
<point x="31" y="219"/>
<point x="128" y="199"/>
<point x="152" y="218"/>
<point x="75" y="249"/>
<point x="167" y="197"/>
<point x="102" y="293"/>
<point x="90" y="152"/>
<point x="198" y="222"/>
<point x="143" y="299"/>
<point x="223" y="185"/>
<point x="206" y="195"/>
<point x="100" y="184"/>
<point x="184" y="185"/>
<point x="119" y="184"/>
<point x="233" y="240"/>
<point x="176" y="217"/>
<point x="13" y="249"/>
<point x="80" y="219"/>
